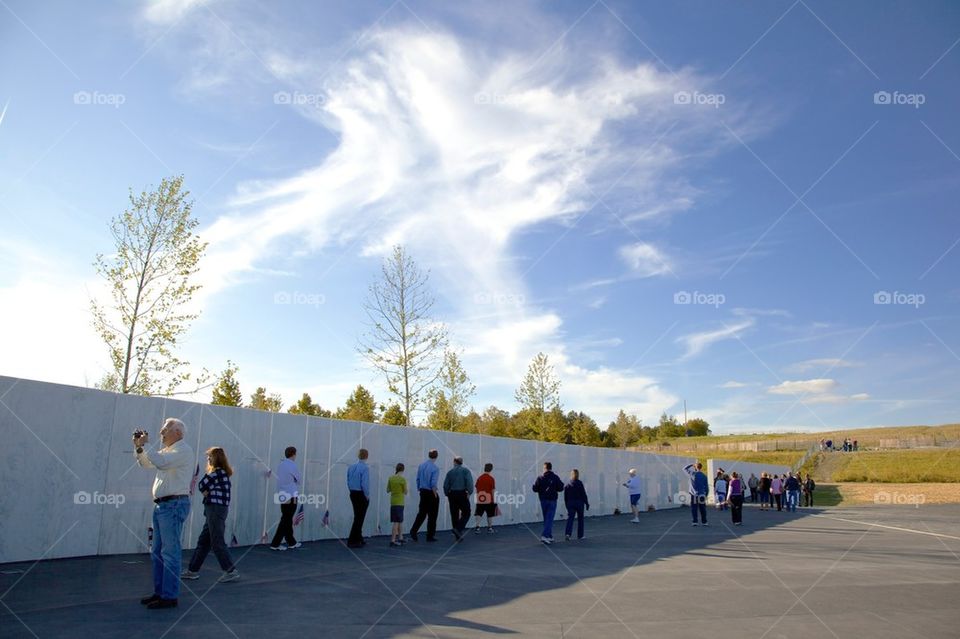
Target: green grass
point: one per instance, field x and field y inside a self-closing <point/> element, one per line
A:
<point x="865" y="436"/>
<point x="898" y="466"/>
<point x="827" y="495"/>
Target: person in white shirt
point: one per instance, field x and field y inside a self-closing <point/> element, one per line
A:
<point x="288" y="491"/>
<point x="633" y="487"/>
<point x="174" y="463"/>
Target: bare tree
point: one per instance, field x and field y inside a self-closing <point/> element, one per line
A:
<point x="403" y="341"/>
<point x="151" y="283"/>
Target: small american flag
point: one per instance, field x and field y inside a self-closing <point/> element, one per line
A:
<point x="193" y="482"/>
<point x="326" y="518"/>
<point x="233" y="541"/>
<point x="298" y="518"/>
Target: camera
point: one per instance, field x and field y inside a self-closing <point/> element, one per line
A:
<point x="139" y="433"/>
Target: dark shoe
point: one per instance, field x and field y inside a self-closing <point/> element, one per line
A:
<point x="162" y="603"/>
<point x="413" y="537"/>
<point x="431" y="538"/>
<point x="354" y="544"/>
<point x="149" y="600"/>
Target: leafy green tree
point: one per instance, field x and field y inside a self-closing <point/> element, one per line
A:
<point x="361" y="407"/>
<point x="227" y="390"/>
<point x="538" y="396"/>
<point x="150" y="275"/>
<point x="583" y="429"/>
<point x="305" y="406"/>
<point x="471" y="423"/>
<point x="403" y="341"/>
<point x="496" y="422"/>
<point x="697" y="427"/>
<point x="670" y="427"/>
<point x="394" y="416"/>
<point x="448" y="400"/>
<point x="261" y="401"/>
<point x="624" y="431"/>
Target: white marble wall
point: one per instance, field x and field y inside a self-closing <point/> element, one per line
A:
<point x="61" y="441"/>
<point x="744" y="468"/>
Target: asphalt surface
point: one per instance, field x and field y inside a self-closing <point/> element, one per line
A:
<point x="854" y="572"/>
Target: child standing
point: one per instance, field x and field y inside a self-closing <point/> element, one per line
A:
<point x="397" y="487"/>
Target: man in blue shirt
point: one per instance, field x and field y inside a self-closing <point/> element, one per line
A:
<point x="428" y="474"/>
<point x="358" y="482"/>
<point x="698" y="492"/>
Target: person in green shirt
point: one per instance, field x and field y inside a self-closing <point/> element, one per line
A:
<point x="397" y="487"/>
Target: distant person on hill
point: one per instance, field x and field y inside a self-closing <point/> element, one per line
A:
<point x="855" y="447"/>
<point x="792" y="488"/>
<point x="754" y="485"/>
<point x="428" y="476"/>
<point x="735" y="498"/>
<point x="397" y="489"/>
<point x="699" y="487"/>
<point x="486" y="499"/>
<point x="458" y="486"/>
<point x="808" y="487"/>
<point x="575" y="499"/>
<point x="766" y="483"/>
<point x="776" y="489"/>
<point x="829" y="444"/>
<point x="548" y="486"/>
<point x="633" y="488"/>
<point x="720" y="491"/>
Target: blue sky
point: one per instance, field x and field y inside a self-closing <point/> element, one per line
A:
<point x="700" y="201"/>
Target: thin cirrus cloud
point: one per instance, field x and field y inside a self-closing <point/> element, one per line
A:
<point x="697" y="343"/>
<point x="452" y="153"/>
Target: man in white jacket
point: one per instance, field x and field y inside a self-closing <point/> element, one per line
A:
<point x="174" y="463"/>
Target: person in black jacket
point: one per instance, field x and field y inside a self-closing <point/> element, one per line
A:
<point x="808" y="487"/>
<point x="575" y="499"/>
<point x="549" y="487"/>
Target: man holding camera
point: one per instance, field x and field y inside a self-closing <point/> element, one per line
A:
<point x="174" y="463"/>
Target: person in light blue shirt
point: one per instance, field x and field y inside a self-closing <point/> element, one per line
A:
<point x="698" y="492"/>
<point x="358" y="482"/>
<point x="428" y="476"/>
<point x="288" y="491"/>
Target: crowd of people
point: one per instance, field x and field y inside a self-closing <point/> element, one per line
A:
<point x="848" y="446"/>
<point x="175" y="481"/>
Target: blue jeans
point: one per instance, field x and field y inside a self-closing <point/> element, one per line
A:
<point x="575" y="510"/>
<point x="698" y="503"/>
<point x="549" y="508"/>
<point x="168" y="518"/>
<point x="793" y="498"/>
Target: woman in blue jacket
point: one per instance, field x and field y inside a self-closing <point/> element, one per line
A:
<point x="575" y="499"/>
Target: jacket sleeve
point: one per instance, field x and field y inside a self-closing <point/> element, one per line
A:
<point x="446" y="484"/>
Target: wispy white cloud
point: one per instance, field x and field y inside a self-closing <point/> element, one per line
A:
<point x="645" y="260"/>
<point x="696" y="343"/>
<point x="734" y="384"/>
<point x="803" y="387"/>
<point x="826" y="363"/>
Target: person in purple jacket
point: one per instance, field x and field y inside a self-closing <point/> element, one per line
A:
<point x="548" y="486"/>
<point x="575" y="499"/>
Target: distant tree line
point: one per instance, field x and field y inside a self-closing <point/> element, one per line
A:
<point x="151" y="279"/>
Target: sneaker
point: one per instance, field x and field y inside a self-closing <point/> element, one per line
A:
<point x="476" y="531"/>
<point x="694" y="524"/>
<point x="544" y="540"/>
<point x="189" y="574"/>
<point x="149" y="600"/>
<point x="635" y="520"/>
<point x="490" y="530"/>
<point x="395" y="544"/>
<point x="162" y="603"/>
<point x="566" y="537"/>
<point x="706" y="524"/>
<point x="278" y="547"/>
<point x="402" y="541"/>
<point x="295" y="546"/>
<point x="232" y="575"/>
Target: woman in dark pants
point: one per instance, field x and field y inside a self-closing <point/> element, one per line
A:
<point x="215" y="487"/>
<point x="575" y="499"/>
<point x="735" y="498"/>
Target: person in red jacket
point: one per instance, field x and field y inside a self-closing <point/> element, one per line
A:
<point x="486" y="487"/>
